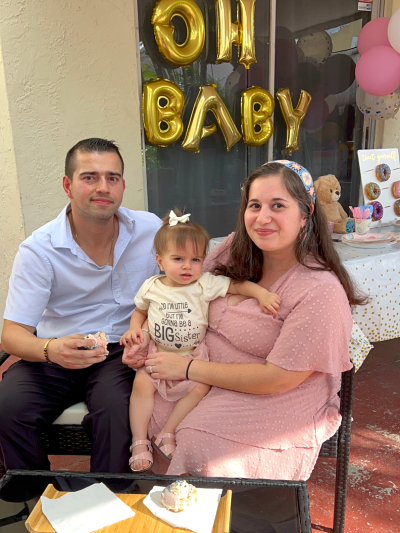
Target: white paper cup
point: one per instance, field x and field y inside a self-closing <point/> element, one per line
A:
<point x="362" y="226"/>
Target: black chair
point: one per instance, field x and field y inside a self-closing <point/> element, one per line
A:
<point x="71" y="439"/>
<point x="339" y="446"/>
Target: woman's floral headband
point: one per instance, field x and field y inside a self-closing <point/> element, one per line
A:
<point x="302" y="172"/>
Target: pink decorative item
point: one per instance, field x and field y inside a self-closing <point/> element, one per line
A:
<point x="374" y="33"/>
<point x="378" y="70"/>
<point x="393" y="30"/>
<point x="362" y="225"/>
<point x="330" y="226"/>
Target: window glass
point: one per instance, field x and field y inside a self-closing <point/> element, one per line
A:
<point x="205" y="184"/>
<point x="316" y="50"/>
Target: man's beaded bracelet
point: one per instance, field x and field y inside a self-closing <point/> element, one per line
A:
<point x="46" y="355"/>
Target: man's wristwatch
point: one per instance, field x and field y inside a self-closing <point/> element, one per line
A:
<point x="46" y="355"/>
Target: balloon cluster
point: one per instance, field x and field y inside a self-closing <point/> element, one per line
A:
<point x="309" y="64"/>
<point x="378" y="69"/>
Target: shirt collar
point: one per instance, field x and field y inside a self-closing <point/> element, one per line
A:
<point x="61" y="236"/>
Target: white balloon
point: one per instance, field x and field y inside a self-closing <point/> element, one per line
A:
<point x="394" y="30"/>
<point x="378" y="107"/>
<point x="317" y="47"/>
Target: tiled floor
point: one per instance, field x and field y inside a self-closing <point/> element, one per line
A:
<point x="373" y="504"/>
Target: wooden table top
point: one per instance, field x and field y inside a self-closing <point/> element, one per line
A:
<point x="143" y="521"/>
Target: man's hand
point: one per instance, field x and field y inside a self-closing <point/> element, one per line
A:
<point x="64" y="351"/>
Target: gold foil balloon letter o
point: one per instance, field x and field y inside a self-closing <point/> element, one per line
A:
<point x="257" y="108"/>
<point x="240" y="33"/>
<point x="162" y="103"/>
<point x="209" y="100"/>
<point x="184" y="54"/>
<point x="293" y="117"/>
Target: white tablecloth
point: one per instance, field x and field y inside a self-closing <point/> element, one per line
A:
<point x="377" y="273"/>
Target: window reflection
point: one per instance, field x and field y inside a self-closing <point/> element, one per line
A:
<point x="315" y="51"/>
<point x="318" y="42"/>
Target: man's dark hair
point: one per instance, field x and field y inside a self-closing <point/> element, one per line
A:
<point x="90" y="146"/>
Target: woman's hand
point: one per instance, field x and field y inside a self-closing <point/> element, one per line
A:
<point x="167" y="365"/>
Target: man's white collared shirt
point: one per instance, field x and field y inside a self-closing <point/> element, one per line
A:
<point x="56" y="288"/>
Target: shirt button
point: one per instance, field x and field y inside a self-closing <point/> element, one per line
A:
<point x="118" y="295"/>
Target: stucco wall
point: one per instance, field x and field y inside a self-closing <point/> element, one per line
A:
<point x="70" y="72"/>
<point x="11" y="221"/>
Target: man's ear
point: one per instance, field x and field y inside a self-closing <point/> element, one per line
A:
<point x="159" y="262"/>
<point x="67" y="186"/>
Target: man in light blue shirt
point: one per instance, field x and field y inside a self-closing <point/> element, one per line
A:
<point x="76" y="275"/>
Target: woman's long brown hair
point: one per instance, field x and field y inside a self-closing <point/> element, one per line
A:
<point x="246" y="259"/>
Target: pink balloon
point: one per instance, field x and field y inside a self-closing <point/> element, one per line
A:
<point x="374" y="33"/>
<point x="378" y="71"/>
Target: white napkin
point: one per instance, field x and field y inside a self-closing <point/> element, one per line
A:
<point x="198" y="517"/>
<point x="85" y="510"/>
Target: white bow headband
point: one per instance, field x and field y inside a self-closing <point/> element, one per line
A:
<point x="173" y="219"/>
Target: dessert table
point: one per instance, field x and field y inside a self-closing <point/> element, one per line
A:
<point x="377" y="273"/>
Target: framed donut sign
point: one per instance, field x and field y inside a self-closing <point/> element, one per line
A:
<point x="380" y="180"/>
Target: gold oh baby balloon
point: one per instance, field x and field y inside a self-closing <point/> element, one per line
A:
<point x="256" y="111"/>
<point x="293" y="117"/>
<point x="184" y="54"/>
<point x="240" y="33"/>
<point x="163" y="103"/>
<point x="209" y="100"/>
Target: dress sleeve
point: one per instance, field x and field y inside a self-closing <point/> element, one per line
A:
<point x="214" y="286"/>
<point x="219" y="255"/>
<point x="29" y="287"/>
<point x="316" y="333"/>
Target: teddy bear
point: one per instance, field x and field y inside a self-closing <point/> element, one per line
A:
<point x="327" y="189"/>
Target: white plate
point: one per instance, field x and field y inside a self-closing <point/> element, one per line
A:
<point x="371" y="245"/>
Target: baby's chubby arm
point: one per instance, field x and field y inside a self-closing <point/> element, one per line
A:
<point x="269" y="301"/>
<point x="134" y="335"/>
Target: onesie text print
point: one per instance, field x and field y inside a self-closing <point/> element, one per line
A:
<point x="175" y="326"/>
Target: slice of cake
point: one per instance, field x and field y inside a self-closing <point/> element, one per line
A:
<point x="179" y="495"/>
<point x="101" y="340"/>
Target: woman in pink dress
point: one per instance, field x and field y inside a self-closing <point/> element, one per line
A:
<point x="274" y="379"/>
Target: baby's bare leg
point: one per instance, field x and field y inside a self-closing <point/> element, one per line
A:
<point x="140" y="410"/>
<point x="183" y="408"/>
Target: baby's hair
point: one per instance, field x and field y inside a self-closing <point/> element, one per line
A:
<point x="180" y="234"/>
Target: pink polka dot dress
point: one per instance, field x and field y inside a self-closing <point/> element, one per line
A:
<point x="274" y="436"/>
